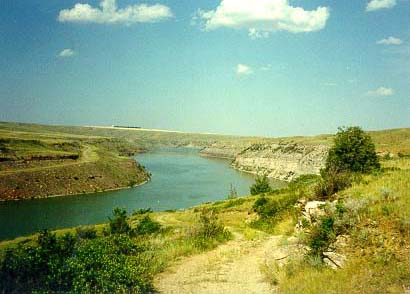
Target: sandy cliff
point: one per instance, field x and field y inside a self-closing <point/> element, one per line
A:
<point x="282" y="161"/>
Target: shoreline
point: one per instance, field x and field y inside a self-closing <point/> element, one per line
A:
<point x="77" y="194"/>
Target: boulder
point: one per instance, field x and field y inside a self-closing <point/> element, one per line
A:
<point x="334" y="260"/>
<point x="313" y="209"/>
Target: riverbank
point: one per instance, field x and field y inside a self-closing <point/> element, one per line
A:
<point x="180" y="179"/>
<point x="268" y="255"/>
<point x="49" y="164"/>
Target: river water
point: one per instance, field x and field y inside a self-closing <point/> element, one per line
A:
<point x="180" y="179"/>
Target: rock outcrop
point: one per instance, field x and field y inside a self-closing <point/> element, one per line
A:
<point x="282" y="161"/>
<point x="227" y="151"/>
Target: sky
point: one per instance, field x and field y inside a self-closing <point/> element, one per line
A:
<point x="245" y="67"/>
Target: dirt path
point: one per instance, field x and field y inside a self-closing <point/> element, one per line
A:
<point x="88" y="155"/>
<point x="232" y="268"/>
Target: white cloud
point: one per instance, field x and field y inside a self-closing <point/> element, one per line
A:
<point x="390" y="41"/>
<point x="380" y="4"/>
<point x="66" y="53"/>
<point x="110" y="13"/>
<point x="260" y="17"/>
<point x="242" y="69"/>
<point x="382" y="91"/>
<point x="254" y="34"/>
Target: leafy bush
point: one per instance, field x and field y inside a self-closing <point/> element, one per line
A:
<point x="261" y="186"/>
<point x="110" y="264"/>
<point x="232" y="192"/>
<point x="142" y="211"/>
<point x="209" y="229"/>
<point x="322" y="234"/>
<point x="353" y="151"/>
<point x="271" y="208"/>
<point x="119" y="223"/>
<point x="86" y="233"/>
<point x="331" y="182"/>
<point x="39" y="268"/>
<point x="147" y="226"/>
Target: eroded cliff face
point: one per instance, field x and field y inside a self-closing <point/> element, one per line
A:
<point x="220" y="150"/>
<point x="282" y="161"/>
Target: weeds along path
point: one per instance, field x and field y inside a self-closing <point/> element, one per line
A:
<point x="88" y="154"/>
<point x="232" y="268"/>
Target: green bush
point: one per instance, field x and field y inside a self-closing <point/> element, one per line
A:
<point x="142" y="211"/>
<point x="232" y="192"/>
<point x="112" y="264"/>
<point x="261" y="186"/>
<point x="39" y="268"/>
<point x="86" y="233"/>
<point x="353" y="151"/>
<point x="147" y="226"/>
<point x="322" y="234"/>
<point x="119" y="223"/>
<point x="272" y="207"/>
<point x="331" y="182"/>
<point x="210" y="229"/>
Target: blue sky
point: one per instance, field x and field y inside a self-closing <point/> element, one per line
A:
<point x="250" y="67"/>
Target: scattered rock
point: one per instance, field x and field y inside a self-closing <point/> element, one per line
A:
<point x="334" y="260"/>
<point x="313" y="209"/>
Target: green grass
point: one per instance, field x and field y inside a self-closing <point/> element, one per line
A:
<point x="378" y="253"/>
<point x="396" y="140"/>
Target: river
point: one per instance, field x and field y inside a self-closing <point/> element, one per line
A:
<point x="180" y="179"/>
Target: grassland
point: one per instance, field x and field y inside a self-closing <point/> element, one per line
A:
<point x="267" y="254"/>
<point x="377" y="252"/>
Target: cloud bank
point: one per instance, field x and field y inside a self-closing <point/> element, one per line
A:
<point x="382" y="91"/>
<point x="259" y="17"/>
<point x="380" y="4"/>
<point x="390" y="41"/>
<point x="109" y="13"/>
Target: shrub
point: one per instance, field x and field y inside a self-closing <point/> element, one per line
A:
<point x="353" y="151"/>
<point x="331" y="182"/>
<point x="86" y="233"/>
<point x="232" y="192"/>
<point x="142" y="211"/>
<point x="119" y="223"/>
<point x="209" y="229"/>
<point x="322" y="235"/>
<point x="271" y="208"/>
<point x="261" y="186"/>
<point x="111" y="264"/>
<point x="147" y="226"/>
<point x="38" y="268"/>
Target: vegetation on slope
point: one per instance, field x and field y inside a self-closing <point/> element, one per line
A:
<point x="371" y="214"/>
<point x="365" y="226"/>
<point x="46" y="164"/>
<point x="121" y="257"/>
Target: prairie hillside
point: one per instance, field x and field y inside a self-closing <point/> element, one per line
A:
<point x="38" y="163"/>
<point x="257" y="243"/>
<point x="43" y="160"/>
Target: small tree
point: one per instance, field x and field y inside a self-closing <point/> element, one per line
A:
<point x="261" y="186"/>
<point x="232" y="192"/>
<point x="353" y="151"/>
<point x="119" y="223"/>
